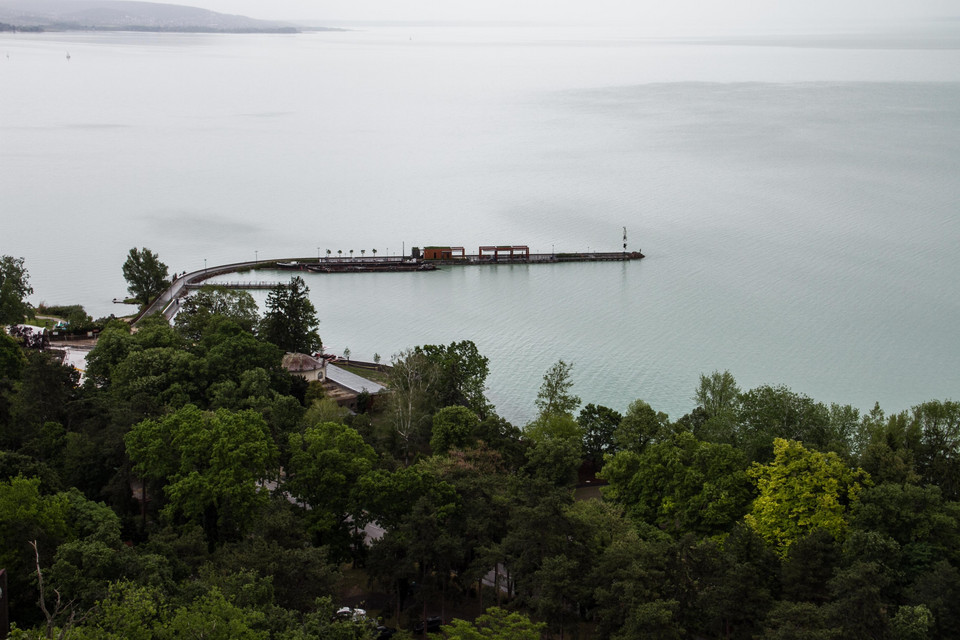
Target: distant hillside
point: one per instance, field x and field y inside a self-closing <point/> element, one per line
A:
<point x="127" y="15"/>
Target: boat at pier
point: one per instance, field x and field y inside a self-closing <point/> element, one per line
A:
<point x="371" y="266"/>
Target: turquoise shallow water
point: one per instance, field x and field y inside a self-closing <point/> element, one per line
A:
<point x="797" y="204"/>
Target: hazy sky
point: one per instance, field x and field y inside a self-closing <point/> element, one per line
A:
<point x="668" y="14"/>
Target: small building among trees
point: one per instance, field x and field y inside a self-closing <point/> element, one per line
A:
<point x="307" y="366"/>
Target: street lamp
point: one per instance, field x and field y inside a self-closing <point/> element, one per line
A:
<point x="204" y="265"/>
<point x="256" y="256"/>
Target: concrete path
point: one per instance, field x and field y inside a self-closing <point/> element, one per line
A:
<point x="168" y="301"/>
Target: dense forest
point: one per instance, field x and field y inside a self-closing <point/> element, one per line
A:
<point x="189" y="487"/>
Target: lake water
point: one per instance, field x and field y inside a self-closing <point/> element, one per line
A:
<point x="797" y="197"/>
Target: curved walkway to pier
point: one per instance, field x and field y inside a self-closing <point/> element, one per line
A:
<point x="168" y="302"/>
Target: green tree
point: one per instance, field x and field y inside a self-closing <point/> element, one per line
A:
<point x="640" y="426"/>
<point x="454" y="427"/>
<point x="802" y="490"/>
<point x="912" y="623"/>
<point x="210" y="466"/>
<point x="799" y="621"/>
<point x="681" y="485"/>
<point x="554" y="395"/>
<point x="494" y="624"/>
<point x="809" y="564"/>
<point x="128" y="612"/>
<point x="415" y="505"/>
<point x="413" y="378"/>
<point x="213" y="617"/>
<point x="197" y="310"/>
<point x="858" y="606"/>
<point x="555" y="459"/>
<point x="461" y="375"/>
<point x="938" y="453"/>
<point x="326" y="464"/>
<point x="767" y="413"/>
<point x="146" y="276"/>
<point x="718" y="401"/>
<point x="14" y="289"/>
<point x="938" y="589"/>
<point x="47" y="391"/>
<point x="926" y="527"/>
<point x="717" y="393"/>
<point x="290" y="321"/>
<point x="28" y="516"/>
<point x="887" y="447"/>
<point x="598" y="424"/>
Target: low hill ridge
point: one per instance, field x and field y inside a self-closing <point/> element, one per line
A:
<point x="125" y="14"/>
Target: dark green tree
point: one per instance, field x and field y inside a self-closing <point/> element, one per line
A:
<point x="454" y="427"/>
<point x="788" y="620"/>
<point x="14" y="289"/>
<point x="290" y="321"/>
<point x="415" y="505"/>
<point x="810" y="563"/>
<point x="326" y="464"/>
<point x="938" y="453"/>
<point x="598" y="424"/>
<point x="766" y="413"/>
<point x="146" y="276"/>
<point x="681" y="485"/>
<point x="209" y="465"/>
<point x="926" y="527"/>
<point x="640" y="426"/>
<point x="939" y="590"/>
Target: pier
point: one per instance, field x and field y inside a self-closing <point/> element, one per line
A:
<point x="429" y="259"/>
<point x="262" y="284"/>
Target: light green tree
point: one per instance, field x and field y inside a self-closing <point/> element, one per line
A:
<point x="802" y="490"/>
<point x="555" y="392"/>
<point x="717" y="393"/>
<point x="413" y="378"/>
<point x="494" y="624"/>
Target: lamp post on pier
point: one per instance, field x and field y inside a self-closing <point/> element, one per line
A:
<point x="204" y="266"/>
<point x="256" y="256"/>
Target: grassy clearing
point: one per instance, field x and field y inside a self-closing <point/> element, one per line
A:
<point x="370" y="374"/>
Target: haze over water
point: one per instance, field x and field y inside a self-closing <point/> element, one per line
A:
<point x="796" y="196"/>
